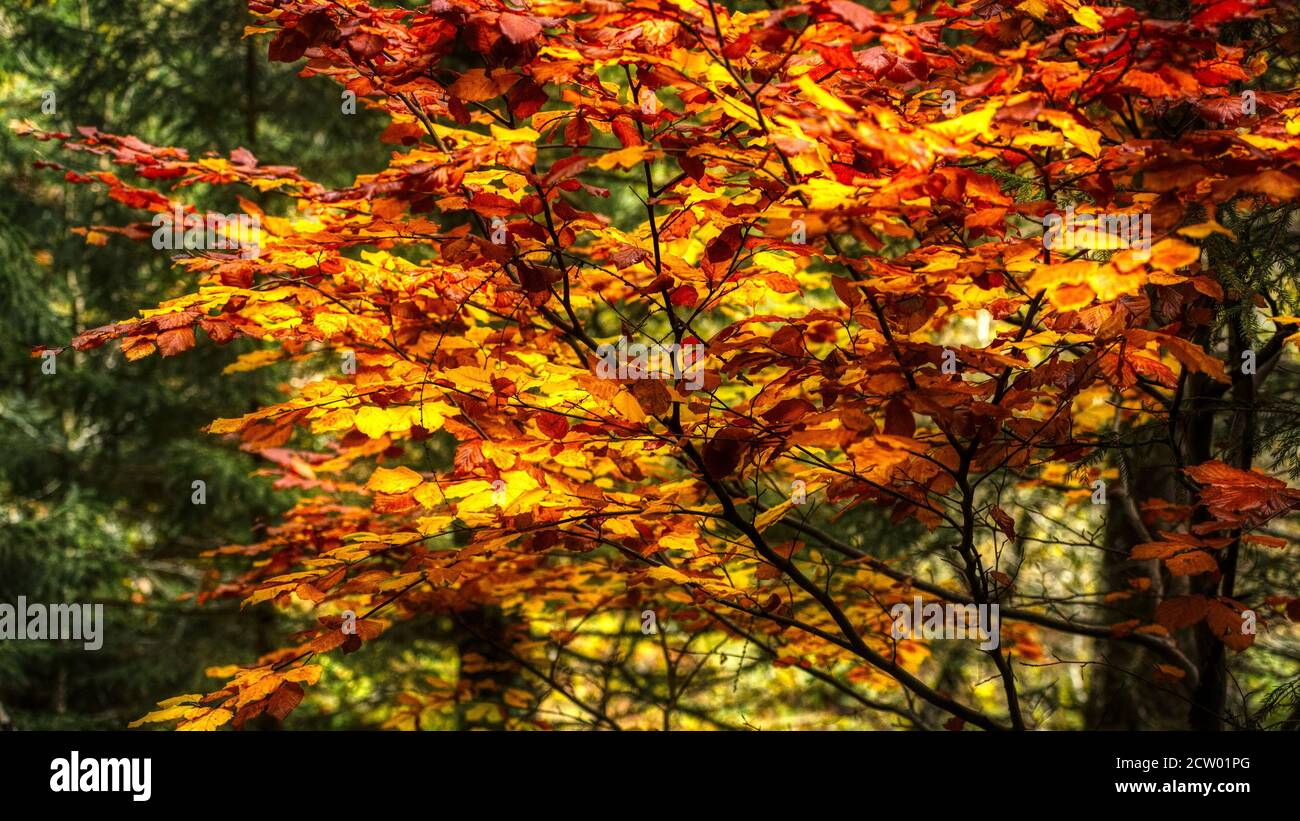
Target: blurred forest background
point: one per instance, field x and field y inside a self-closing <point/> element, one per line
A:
<point x="97" y="461"/>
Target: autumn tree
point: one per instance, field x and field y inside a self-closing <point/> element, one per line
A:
<point x="838" y="231"/>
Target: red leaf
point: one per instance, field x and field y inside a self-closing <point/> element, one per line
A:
<point x="898" y="419"/>
<point x="1192" y="563"/>
<point x="626" y="132"/>
<point x="552" y="424"/>
<point x="577" y="132"/>
<point x="288" y="46"/>
<point x="1220" y="13"/>
<point x="848" y="293"/>
<point x="365" y="44"/>
<point x="789" y="341"/>
<point x="518" y="27"/>
<point x="724" y="246"/>
<point x="721" y="456"/>
<point x="685" y="295"/>
<point x="788" y="411"/>
<point x="176" y="341"/>
<point x="1224" y="617"/>
<point x="1181" y="611"/>
<point x="564" y="168"/>
<point x="1232" y="493"/>
<point x="1005" y="523"/>
<point x="285" y="700"/>
<point x="859" y="17"/>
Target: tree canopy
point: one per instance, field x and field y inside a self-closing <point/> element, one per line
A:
<point x="676" y="343"/>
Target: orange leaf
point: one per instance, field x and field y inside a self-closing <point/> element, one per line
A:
<point x="175" y="341"/>
<point x="1191" y="563"/>
<point x="1224" y="617"/>
<point x="1181" y="611"/>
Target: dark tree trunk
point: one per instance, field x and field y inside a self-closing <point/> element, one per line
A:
<point x="1120" y="693"/>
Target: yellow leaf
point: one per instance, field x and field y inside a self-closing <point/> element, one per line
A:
<point x="1201" y="230"/>
<point x="766" y="518"/>
<point x="517" y="483"/>
<point x="460" y="490"/>
<point x="1081" y="137"/>
<point x="678" y="541"/>
<point x="626" y="404"/>
<point x="330" y="324"/>
<point x="267" y="593"/>
<point x="1036" y="8"/>
<point x="307" y="674"/>
<point x="209" y="720"/>
<point x="820" y="96"/>
<point x="168" y="714"/>
<point x="735" y="108"/>
<point x="1075" y="272"/>
<point x="483" y="712"/>
<point x="372" y="421"/>
<point x="340" y="419"/>
<point x="1292" y="121"/>
<point x="623" y="158"/>
<point x="393" y="480"/>
<point x="1087" y="17"/>
<point x="226" y="426"/>
<point x="471" y="377"/>
<point x="716" y="587"/>
<point x="429" y="495"/>
<point x="967" y="127"/>
<point x="429" y="525"/>
<point x="253" y="360"/>
<point x="514" y="135"/>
